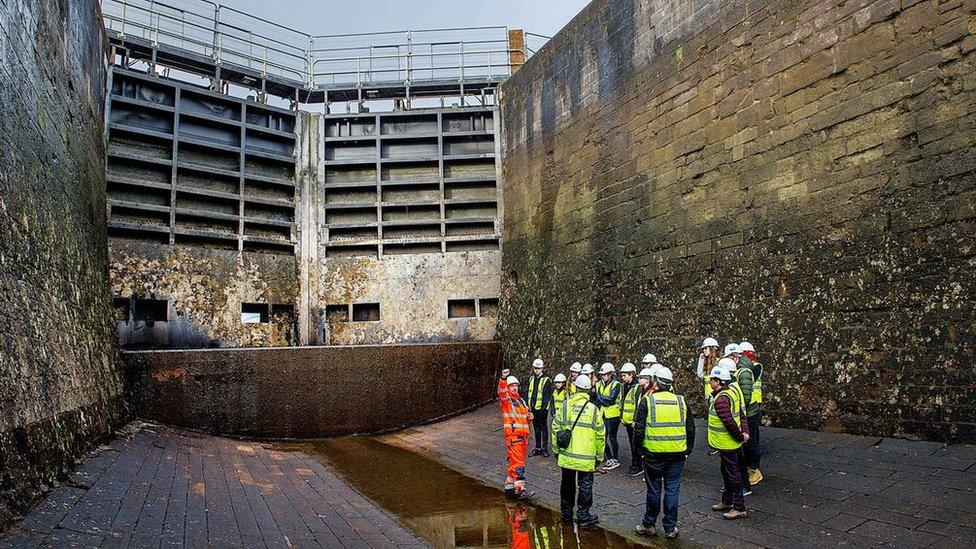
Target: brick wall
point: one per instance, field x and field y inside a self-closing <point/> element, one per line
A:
<point x="799" y="173"/>
<point x="59" y="386"/>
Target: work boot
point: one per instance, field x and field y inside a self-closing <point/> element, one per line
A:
<point x="545" y="452"/>
<point x="747" y="492"/>
<point x="635" y="471"/>
<point x="610" y="464"/>
<point x="721" y="507"/>
<point x="755" y="476"/>
<point x="645" y="530"/>
<point x="525" y="495"/>
<point x="733" y="514"/>
<point x="672" y="534"/>
<point x="535" y="452"/>
<point x="590" y="520"/>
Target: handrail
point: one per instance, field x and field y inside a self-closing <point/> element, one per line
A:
<point x="234" y="38"/>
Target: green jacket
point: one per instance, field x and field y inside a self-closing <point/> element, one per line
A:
<point x="586" y="446"/>
<point x="744" y="375"/>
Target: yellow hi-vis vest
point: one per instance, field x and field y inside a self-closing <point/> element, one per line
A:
<point x="718" y="436"/>
<point x="589" y="436"/>
<point x="629" y="409"/>
<point x="605" y="388"/>
<point x="534" y="396"/>
<point x="666" y="419"/>
<point x="757" y="386"/>
<point x="558" y="396"/>
<point x="737" y="389"/>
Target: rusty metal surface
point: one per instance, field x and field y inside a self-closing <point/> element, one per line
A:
<point x="307" y="392"/>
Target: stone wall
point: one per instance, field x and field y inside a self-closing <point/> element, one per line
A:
<point x="796" y="172"/>
<point x="60" y="390"/>
<point x="310" y="392"/>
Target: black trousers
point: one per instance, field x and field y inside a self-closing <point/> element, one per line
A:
<point x="732" y="478"/>
<point x="635" y="460"/>
<point x="568" y="494"/>
<point x="540" y="424"/>
<point x="612" y="449"/>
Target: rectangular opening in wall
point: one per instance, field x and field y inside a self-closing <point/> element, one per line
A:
<point x="150" y="310"/>
<point x="350" y="174"/>
<point x="488" y="307"/>
<point x="124" y="169"/>
<point x="365" y="196"/>
<point x="337" y="313"/>
<point x="365" y="312"/>
<point x="207" y="158"/>
<point x="413" y="192"/>
<point x="207" y="240"/>
<point x="254" y="313"/>
<point x="423" y="171"/>
<point x="460" y="308"/>
<point x="120" y="308"/>
<point x="282" y="313"/>
<point x="143" y="233"/>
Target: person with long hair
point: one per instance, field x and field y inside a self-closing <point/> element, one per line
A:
<point x="708" y="357"/>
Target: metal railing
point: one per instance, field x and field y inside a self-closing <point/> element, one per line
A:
<point x="227" y="36"/>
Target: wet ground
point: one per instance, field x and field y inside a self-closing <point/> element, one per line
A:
<point x="440" y="485"/>
<point x="444" y="507"/>
<point x="821" y="489"/>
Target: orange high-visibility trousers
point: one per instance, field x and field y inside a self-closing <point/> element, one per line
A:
<point x="515" y="448"/>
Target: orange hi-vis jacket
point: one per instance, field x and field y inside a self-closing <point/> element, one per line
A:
<point x="515" y="413"/>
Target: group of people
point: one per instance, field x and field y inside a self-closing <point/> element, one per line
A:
<point x="588" y="406"/>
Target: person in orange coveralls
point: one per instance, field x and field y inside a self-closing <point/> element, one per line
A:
<point x="515" y="424"/>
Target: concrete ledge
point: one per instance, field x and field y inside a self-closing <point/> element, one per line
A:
<point x="308" y="392"/>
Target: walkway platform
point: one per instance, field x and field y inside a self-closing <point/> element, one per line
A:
<point x="161" y="487"/>
<point x="820" y="490"/>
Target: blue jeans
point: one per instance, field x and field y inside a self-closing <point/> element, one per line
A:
<point x="658" y="472"/>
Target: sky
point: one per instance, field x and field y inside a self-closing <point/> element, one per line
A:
<point x="544" y="17"/>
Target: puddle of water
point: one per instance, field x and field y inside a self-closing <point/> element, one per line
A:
<point x="445" y="507"/>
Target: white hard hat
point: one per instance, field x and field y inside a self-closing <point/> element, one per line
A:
<point x="721" y="374"/>
<point x="583" y="382"/>
<point x="649" y="359"/>
<point x="512" y="380"/>
<point x="727" y="363"/>
<point x="607" y="368"/>
<point x="560" y="378"/>
<point x="646" y="372"/>
<point x="537" y="363"/>
<point x="708" y="342"/>
<point x="746" y="346"/>
<point x="628" y="367"/>
<point x="587" y="369"/>
<point x="665" y="374"/>
<point x="732" y="348"/>
<point x="576" y="367"/>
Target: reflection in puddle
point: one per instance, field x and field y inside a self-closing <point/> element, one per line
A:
<point x="444" y="507"/>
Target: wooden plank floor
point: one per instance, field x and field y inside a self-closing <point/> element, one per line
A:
<point x="162" y="487"/>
